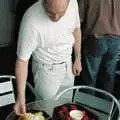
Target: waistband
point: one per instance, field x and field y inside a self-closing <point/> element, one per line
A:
<point x="59" y="63"/>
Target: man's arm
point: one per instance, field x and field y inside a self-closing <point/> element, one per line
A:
<point x="77" y="45"/>
<point x="77" y="50"/>
<point x="21" y="77"/>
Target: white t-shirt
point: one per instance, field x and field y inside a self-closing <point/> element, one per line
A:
<point x="47" y="41"/>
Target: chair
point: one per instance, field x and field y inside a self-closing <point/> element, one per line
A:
<point x="8" y="94"/>
<point x="8" y="90"/>
<point x="95" y="100"/>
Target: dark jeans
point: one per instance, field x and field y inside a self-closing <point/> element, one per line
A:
<point x="99" y="62"/>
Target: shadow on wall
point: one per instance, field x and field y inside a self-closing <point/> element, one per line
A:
<point x="7" y="60"/>
<point x="21" y="7"/>
<point x="8" y="42"/>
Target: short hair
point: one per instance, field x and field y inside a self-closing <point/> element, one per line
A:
<point x="45" y="1"/>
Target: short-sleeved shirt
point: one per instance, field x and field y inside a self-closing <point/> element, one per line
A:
<point x="100" y="18"/>
<point x="46" y="40"/>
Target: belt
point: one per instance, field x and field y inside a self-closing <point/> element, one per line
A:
<point x="59" y="63"/>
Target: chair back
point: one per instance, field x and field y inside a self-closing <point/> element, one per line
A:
<point x="98" y="101"/>
<point x="6" y="90"/>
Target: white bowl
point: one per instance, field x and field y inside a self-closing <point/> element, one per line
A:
<point x="76" y="114"/>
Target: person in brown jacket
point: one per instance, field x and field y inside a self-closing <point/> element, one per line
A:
<point x="100" y="23"/>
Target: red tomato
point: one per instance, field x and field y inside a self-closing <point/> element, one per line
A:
<point x="64" y="109"/>
<point x="69" y="118"/>
<point x="73" y="107"/>
<point x="86" y="118"/>
<point x="60" y="114"/>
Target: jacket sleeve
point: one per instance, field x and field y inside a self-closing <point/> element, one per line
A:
<point x="82" y="9"/>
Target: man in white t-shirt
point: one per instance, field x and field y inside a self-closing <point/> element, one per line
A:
<point x="49" y="30"/>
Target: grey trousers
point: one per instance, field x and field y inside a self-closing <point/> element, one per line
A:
<point x="50" y="79"/>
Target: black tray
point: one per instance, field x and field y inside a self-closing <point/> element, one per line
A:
<point x="70" y="107"/>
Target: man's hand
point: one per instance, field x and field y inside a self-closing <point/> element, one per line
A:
<point x="77" y="67"/>
<point x="77" y="50"/>
<point x="19" y="107"/>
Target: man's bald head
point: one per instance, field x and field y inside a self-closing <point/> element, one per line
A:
<point x="56" y="8"/>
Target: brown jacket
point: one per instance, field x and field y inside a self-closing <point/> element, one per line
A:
<point x="100" y="18"/>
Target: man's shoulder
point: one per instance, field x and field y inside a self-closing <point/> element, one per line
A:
<point x="32" y="13"/>
<point x="32" y="9"/>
